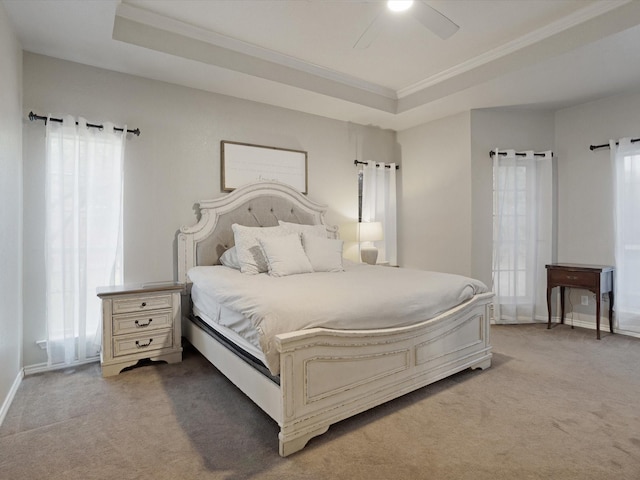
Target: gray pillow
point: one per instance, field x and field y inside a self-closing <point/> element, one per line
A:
<point x="230" y="258"/>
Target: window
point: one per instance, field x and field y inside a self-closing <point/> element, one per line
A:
<point x="626" y="160"/>
<point x="83" y="234"/>
<point x="377" y="188"/>
<point x="521" y="234"/>
<point x="513" y="227"/>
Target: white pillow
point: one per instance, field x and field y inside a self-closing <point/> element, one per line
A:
<point x="317" y="230"/>
<point x="325" y="254"/>
<point x="250" y="256"/>
<point x="285" y="255"/>
<point x="230" y="258"/>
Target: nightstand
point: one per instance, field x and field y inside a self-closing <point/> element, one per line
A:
<point x="140" y="322"/>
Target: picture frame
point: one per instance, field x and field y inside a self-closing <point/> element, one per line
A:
<point x="243" y="163"/>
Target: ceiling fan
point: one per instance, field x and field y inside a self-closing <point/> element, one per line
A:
<point x="428" y="16"/>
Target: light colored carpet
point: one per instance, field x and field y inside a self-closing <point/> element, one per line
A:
<point x="556" y="404"/>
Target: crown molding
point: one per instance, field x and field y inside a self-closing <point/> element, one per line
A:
<point x="148" y="29"/>
<point x="178" y="27"/>
<point x="587" y="13"/>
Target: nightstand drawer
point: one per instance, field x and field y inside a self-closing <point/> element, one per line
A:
<point x="141" y="303"/>
<point x="137" y="323"/>
<point x="128" y="344"/>
<point x="573" y="279"/>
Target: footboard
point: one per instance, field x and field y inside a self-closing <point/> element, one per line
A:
<point x="329" y="375"/>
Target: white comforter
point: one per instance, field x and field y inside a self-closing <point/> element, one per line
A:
<point x="361" y="297"/>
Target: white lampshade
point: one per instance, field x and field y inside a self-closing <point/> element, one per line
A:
<point x="370" y="231"/>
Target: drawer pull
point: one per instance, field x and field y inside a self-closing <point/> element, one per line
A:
<point x="569" y="277"/>
<point x="140" y="325"/>
<point x="144" y="304"/>
<point x="142" y="345"/>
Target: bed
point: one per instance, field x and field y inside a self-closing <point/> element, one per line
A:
<point x="317" y="376"/>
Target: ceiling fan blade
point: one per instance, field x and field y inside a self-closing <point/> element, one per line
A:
<point x="434" y="20"/>
<point x="370" y="33"/>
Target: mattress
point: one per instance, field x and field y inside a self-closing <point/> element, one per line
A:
<point x="363" y="297"/>
<point x="232" y="325"/>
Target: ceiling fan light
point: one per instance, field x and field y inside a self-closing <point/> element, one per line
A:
<point x="399" y="5"/>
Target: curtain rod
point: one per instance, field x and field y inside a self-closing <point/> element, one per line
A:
<point x="606" y="145"/>
<point x="33" y="116"/>
<point x="357" y="162"/>
<point x="518" y="154"/>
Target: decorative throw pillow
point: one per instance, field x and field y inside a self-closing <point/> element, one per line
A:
<point x="250" y="254"/>
<point x="230" y="258"/>
<point x="285" y="255"/>
<point x="317" y="230"/>
<point x="325" y="254"/>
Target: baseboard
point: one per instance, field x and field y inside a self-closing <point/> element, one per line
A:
<point x="577" y="322"/>
<point x="604" y="326"/>
<point x="536" y="319"/>
<point x="10" y="396"/>
<point x="44" y="367"/>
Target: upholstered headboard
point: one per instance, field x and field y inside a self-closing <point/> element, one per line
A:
<point x="259" y="204"/>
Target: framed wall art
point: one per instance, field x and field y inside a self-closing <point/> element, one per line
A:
<point x="244" y="163"/>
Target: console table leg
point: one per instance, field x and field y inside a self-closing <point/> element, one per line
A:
<point x="611" y="311"/>
<point x="598" y="317"/>
<point x="549" y="307"/>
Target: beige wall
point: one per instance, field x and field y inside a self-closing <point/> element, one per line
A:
<point x="585" y="181"/>
<point x="585" y="186"/>
<point x="10" y="212"/>
<point x="175" y="162"/>
<point x="435" y="215"/>
<point x="446" y="219"/>
<point x="491" y="129"/>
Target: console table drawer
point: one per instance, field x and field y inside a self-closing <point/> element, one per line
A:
<point x="573" y="279"/>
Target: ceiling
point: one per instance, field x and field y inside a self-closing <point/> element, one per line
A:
<point x="300" y="54"/>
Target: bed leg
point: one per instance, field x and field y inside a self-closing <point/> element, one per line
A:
<point x="482" y="365"/>
<point x="287" y="447"/>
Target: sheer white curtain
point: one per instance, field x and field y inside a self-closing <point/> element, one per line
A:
<point x="379" y="205"/>
<point x="83" y="234"/>
<point x="626" y="165"/>
<point x="522" y="229"/>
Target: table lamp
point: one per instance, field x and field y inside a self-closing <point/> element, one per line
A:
<point x="369" y="232"/>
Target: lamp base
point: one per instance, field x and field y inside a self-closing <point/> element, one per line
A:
<point x="369" y="254"/>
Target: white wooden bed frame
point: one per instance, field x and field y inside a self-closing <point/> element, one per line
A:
<point x="329" y="375"/>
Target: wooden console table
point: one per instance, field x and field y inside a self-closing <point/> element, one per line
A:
<point x="595" y="278"/>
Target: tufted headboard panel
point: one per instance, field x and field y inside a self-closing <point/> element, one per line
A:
<point x="259" y="204"/>
<point x="264" y="211"/>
